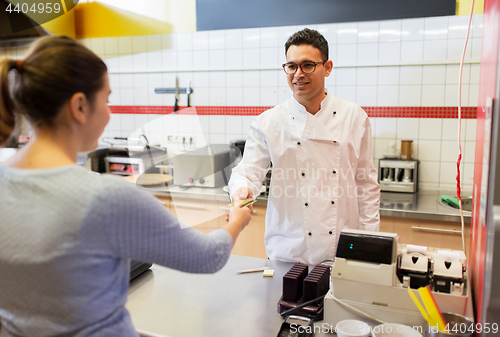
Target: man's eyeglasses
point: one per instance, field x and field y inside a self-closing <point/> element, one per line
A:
<point x="306" y="67"/>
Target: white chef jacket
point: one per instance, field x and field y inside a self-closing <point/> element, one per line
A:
<point x="323" y="178"/>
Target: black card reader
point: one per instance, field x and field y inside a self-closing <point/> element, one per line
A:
<point x="367" y="246"/>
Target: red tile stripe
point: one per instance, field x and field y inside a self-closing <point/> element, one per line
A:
<point x="378" y="111"/>
<point x="421" y="112"/>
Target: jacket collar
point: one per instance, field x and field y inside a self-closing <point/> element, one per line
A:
<point x="314" y="128"/>
<point x="302" y="109"/>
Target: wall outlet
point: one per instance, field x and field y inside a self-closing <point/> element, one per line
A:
<point x="189" y="140"/>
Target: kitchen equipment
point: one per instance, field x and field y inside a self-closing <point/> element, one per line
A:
<point x="408" y="175"/>
<point x="209" y="166"/>
<point x="137" y="162"/>
<point x="448" y="276"/>
<point x="407" y="149"/>
<point x="389" y="173"/>
<point x="95" y="160"/>
<point x="364" y="279"/>
<point x="413" y="270"/>
<point x="396" y="175"/>
<point x="126" y="159"/>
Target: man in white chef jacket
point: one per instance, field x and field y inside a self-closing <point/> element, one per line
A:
<point x="323" y="178"/>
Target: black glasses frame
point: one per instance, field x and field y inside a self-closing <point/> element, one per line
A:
<point x="285" y="66"/>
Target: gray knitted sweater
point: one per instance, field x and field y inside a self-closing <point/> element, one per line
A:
<point x="66" y="236"/>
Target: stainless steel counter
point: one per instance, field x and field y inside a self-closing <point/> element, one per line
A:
<point x="205" y="193"/>
<point x="422" y="205"/>
<point x="170" y="303"/>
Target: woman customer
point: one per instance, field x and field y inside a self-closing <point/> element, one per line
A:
<point x="67" y="235"/>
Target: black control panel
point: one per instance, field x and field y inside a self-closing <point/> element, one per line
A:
<point x="367" y="248"/>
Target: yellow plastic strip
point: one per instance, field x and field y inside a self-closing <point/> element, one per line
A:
<point x="420" y="307"/>
<point x="436" y="305"/>
<point x="431" y="308"/>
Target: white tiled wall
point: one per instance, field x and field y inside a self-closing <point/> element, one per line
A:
<point x="408" y="62"/>
<point x="434" y="145"/>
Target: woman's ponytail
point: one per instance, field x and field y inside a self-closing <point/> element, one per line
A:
<point x="51" y="72"/>
<point x="7" y="106"/>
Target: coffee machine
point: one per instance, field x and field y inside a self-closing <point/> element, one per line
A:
<point x="398" y="175"/>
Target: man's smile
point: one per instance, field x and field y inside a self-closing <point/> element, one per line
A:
<point x="300" y="84"/>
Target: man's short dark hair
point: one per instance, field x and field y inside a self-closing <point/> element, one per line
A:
<point x="310" y="37"/>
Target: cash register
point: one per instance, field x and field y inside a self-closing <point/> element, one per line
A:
<point x="372" y="275"/>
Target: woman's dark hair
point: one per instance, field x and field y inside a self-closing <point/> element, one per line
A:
<point x="53" y="70"/>
<point x="310" y="37"/>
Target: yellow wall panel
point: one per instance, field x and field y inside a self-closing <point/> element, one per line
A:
<point x="94" y="19"/>
<point x="63" y="25"/>
<point x="463" y="7"/>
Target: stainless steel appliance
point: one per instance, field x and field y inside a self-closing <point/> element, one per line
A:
<point x="209" y="166"/>
<point x="126" y="159"/>
<point x="398" y="175"/>
<point x="137" y="162"/>
<point x="95" y="160"/>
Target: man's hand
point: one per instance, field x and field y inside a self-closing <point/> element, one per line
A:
<point x="242" y="193"/>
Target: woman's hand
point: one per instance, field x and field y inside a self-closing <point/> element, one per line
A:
<point x="239" y="214"/>
<point x="249" y="207"/>
<point x="237" y="219"/>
